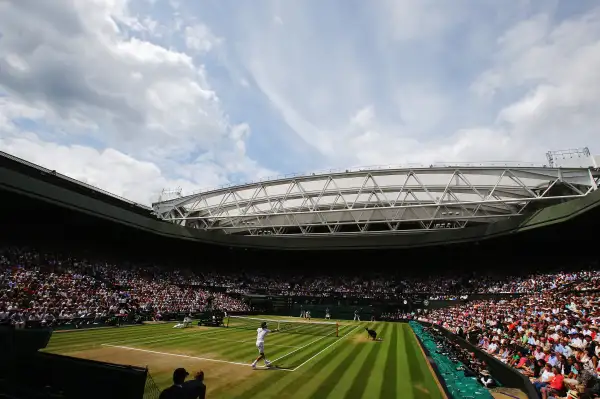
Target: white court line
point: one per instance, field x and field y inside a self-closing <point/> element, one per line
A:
<point x="237" y="363"/>
<point x="184" y="356"/>
<point x="203" y="333"/>
<point x="171" y="337"/>
<point x="324" y="349"/>
<point x="248" y="341"/>
<point x="301" y="347"/>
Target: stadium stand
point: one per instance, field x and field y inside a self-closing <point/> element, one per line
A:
<point x="524" y="299"/>
<point x="53" y="289"/>
<point x="557" y="326"/>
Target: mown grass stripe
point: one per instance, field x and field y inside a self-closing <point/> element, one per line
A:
<point x="392" y="368"/>
<point x="266" y="379"/>
<point x="106" y="334"/>
<point x="164" y="338"/>
<point x="390" y="372"/>
<point x="414" y="366"/>
<point x="347" y="379"/>
<point x="114" y="336"/>
<point x="327" y="386"/>
<point x="190" y="345"/>
<point x="174" y="354"/>
<point x="275" y="383"/>
<point x="316" y="372"/>
<point x="433" y="384"/>
<point x="403" y="383"/>
<point x="317" y="350"/>
<point x="248" y="350"/>
<point x="357" y="389"/>
<point x="376" y="380"/>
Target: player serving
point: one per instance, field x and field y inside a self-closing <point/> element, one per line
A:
<point x="261" y="333"/>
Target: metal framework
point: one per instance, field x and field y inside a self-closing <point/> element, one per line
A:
<point x="384" y="201"/>
<point x="574" y="158"/>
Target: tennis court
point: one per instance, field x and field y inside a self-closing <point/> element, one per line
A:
<point x="308" y="362"/>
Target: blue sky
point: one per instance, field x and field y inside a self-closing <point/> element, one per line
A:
<point x="134" y="96"/>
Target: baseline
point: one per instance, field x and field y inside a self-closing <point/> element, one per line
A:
<point x="187" y="356"/>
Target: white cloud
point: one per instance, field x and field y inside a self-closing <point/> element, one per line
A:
<point x="200" y="38"/>
<point x="109" y="169"/>
<point x="410" y="20"/>
<point x="183" y="93"/>
<point x="528" y="84"/>
<point x="93" y="79"/>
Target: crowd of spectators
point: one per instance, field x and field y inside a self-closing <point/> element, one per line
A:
<point x="549" y="335"/>
<point x="550" y="329"/>
<point x="42" y="286"/>
<point x="47" y="288"/>
<point x="388" y="286"/>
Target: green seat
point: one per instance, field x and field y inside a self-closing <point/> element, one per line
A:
<point x="458" y="385"/>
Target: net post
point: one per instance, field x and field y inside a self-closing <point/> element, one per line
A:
<point x="227" y="326"/>
<point x="337" y="329"/>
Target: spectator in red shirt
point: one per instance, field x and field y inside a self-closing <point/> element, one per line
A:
<point x="556" y="386"/>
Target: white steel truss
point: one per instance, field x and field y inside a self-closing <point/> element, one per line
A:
<point x="378" y="201"/>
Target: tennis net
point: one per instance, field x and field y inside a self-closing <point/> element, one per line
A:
<point x="288" y="326"/>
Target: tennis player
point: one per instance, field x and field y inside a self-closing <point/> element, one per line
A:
<point x="261" y="333"/>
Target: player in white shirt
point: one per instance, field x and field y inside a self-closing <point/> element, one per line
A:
<point x="261" y="333"/>
<point x="187" y="322"/>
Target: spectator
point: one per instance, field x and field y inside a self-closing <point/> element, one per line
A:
<point x="195" y="389"/>
<point x="555" y="387"/>
<point x="176" y="390"/>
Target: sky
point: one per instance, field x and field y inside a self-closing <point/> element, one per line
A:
<point x="134" y="96"/>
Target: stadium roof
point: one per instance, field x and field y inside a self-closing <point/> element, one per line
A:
<point x="370" y="201"/>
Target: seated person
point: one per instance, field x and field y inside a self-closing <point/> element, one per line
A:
<point x="556" y="386"/>
<point x="195" y="389"/>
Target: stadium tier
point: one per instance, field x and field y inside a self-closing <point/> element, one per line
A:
<point x="285" y="326"/>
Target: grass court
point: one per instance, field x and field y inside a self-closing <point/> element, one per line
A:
<point x="306" y="366"/>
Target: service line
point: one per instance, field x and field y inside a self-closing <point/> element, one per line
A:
<point x="324" y="349"/>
